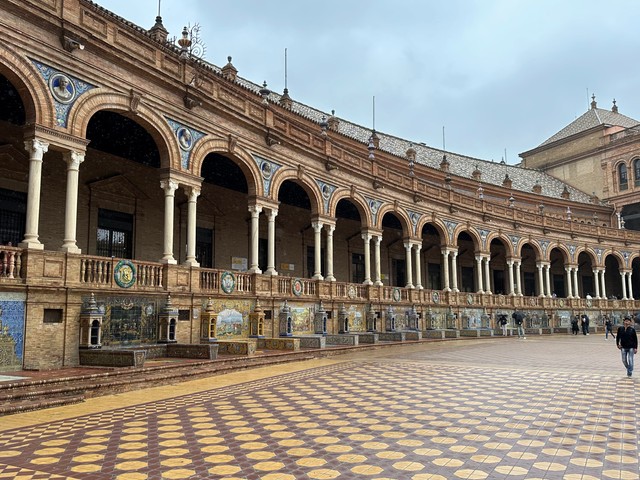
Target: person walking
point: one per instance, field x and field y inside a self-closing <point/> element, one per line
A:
<point x="584" y="320"/>
<point x="518" y="317"/>
<point x="574" y="325"/>
<point x="608" y="328"/>
<point x="627" y="343"/>
<point x="503" y="324"/>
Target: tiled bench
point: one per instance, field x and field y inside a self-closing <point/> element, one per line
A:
<point x="282" y="343"/>
<point x="237" y="347"/>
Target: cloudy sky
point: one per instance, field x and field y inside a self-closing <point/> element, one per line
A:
<point x="498" y="75"/>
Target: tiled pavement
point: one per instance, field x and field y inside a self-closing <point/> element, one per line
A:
<point x="556" y="407"/>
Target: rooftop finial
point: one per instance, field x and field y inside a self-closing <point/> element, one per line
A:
<point x="593" y="101"/>
<point x="614" y="109"/>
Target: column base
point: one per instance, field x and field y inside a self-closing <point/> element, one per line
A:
<point x="271" y="271"/>
<point x="367" y="282"/>
<point x="72" y="248"/>
<point x="191" y="263"/>
<point x="169" y="261"/>
<point x="378" y="283"/>
<point x="317" y="276"/>
<point x="330" y="278"/>
<point x="254" y="270"/>
<point x="31" y="245"/>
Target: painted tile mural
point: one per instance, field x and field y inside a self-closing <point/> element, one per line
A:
<point x="233" y="317"/>
<point x="302" y="319"/>
<point x="357" y="318"/>
<point x="12" y="309"/>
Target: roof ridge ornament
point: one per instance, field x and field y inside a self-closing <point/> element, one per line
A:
<point x="593" y="101"/>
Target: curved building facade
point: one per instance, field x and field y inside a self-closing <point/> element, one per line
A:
<point x="144" y="190"/>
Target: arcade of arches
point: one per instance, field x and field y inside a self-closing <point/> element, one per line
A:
<point x="121" y="208"/>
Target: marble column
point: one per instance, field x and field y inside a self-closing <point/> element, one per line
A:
<point x="69" y="244"/>
<point x="540" y="280"/>
<point x="604" y="284"/>
<point x="445" y="264"/>
<point x="317" y="249"/>
<point x="596" y="282"/>
<point x="330" y="229"/>
<point x="367" y="258"/>
<point x="479" y="273"/>
<point x="377" y="239"/>
<point x="623" y="279"/>
<point x="487" y="275"/>
<point x="547" y="276"/>
<point x="418" y="282"/>
<point x="169" y="186"/>
<point x="254" y="236"/>
<point x="569" y="282"/>
<point x="510" y="276"/>
<point x="36" y="149"/>
<point x="192" y="193"/>
<point x="576" y="289"/>
<point x="271" y="242"/>
<point x="454" y="271"/>
<point x="629" y="286"/>
<point x="407" y="256"/>
<point x="517" y="264"/>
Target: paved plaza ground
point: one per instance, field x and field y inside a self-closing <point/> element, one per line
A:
<point x="558" y="407"/>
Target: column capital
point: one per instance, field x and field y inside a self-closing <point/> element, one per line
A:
<point x="330" y="228"/>
<point x="255" y="209"/>
<point x="73" y="159"/>
<point x="36" y="148"/>
<point x="192" y="192"/>
<point x="366" y="236"/>
<point x="169" y="186"/>
<point x="317" y="226"/>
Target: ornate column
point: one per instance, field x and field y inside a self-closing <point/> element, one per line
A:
<point x="510" y="277"/>
<point x="454" y="271"/>
<point x="192" y="193"/>
<point x="376" y="259"/>
<point x="576" y="289"/>
<point x="69" y="244"/>
<point x="540" y="280"/>
<point x="569" y="282"/>
<point x="254" y="236"/>
<point x="623" y="279"/>
<point x="517" y="264"/>
<point x="317" y="249"/>
<point x="629" y="286"/>
<point x="36" y="149"/>
<point x="407" y="256"/>
<point x="479" y="273"/>
<point x="330" y="229"/>
<point x="487" y="276"/>
<point x="596" y="282"/>
<point x="604" y="284"/>
<point x="367" y="258"/>
<point x="547" y="276"/>
<point x="418" y="282"/>
<point x="169" y="186"/>
<point x="445" y="263"/>
<point x="271" y="242"/>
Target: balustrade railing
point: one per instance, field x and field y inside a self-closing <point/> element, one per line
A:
<point x="99" y="271"/>
<point x="10" y="262"/>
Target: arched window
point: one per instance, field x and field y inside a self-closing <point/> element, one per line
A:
<point x="622" y="176"/>
<point x="636" y="172"/>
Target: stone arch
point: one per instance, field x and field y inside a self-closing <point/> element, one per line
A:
<point x="477" y="241"/>
<point x="435" y="223"/>
<point x="563" y="249"/>
<point x="589" y="251"/>
<point x="534" y="245"/>
<point x="506" y="241"/>
<point x="96" y="100"/>
<point x="240" y="156"/>
<point x="358" y="201"/>
<point x="33" y="90"/>
<point x="402" y="216"/>
<point x="304" y="180"/>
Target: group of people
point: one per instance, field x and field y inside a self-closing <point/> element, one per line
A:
<point x="626" y="337"/>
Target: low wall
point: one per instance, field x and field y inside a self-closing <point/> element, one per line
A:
<point x="368" y="337"/>
<point x="476" y="332"/>
<point x="343" y="339"/>
<point x="237" y="347"/>
<point x="281" y="343"/>
<point x="313" y="341"/>
<point x="412" y="335"/>
<point x="112" y="358"/>
<point x="392" y="336"/>
<point x="433" y="334"/>
<point x="200" y="351"/>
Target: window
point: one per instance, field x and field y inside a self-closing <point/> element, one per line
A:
<point x="357" y="268"/>
<point x="311" y="260"/>
<point x="204" y="247"/>
<point x="52" y="315"/>
<point x="115" y="234"/>
<point x="13" y="208"/>
<point x="622" y="176"/>
<point x="636" y="172"/>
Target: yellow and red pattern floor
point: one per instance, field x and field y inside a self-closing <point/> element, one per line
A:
<point x="543" y="408"/>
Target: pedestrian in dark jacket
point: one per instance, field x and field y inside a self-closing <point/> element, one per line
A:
<point x="627" y="343"/>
